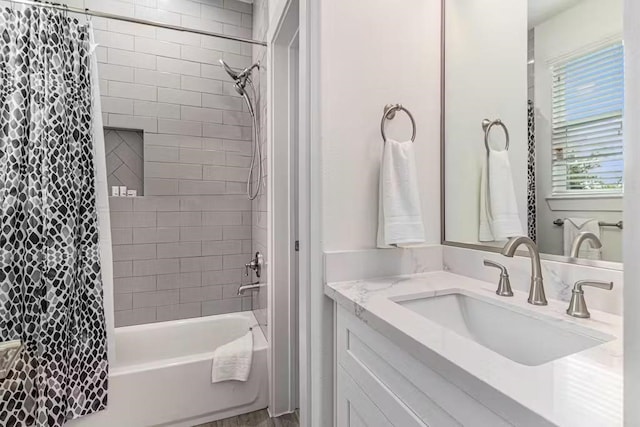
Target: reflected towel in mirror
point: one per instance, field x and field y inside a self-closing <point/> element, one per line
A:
<point x="499" y="217"/>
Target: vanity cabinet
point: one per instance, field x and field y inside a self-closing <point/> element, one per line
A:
<point x="379" y="384"/>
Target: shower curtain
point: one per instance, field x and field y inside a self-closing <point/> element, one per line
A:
<point x="50" y="276"/>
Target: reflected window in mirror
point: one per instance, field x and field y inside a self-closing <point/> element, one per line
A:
<point x="587" y="109"/>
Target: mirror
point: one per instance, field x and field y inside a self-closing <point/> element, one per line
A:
<point x="546" y="80"/>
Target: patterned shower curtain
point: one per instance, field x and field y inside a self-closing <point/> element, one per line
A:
<point x="50" y="280"/>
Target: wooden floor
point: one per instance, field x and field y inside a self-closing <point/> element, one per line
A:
<point x="256" y="419"/>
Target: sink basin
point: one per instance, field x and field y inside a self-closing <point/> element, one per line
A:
<point x="524" y="339"/>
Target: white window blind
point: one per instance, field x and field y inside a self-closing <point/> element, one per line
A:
<point x="587" y="110"/>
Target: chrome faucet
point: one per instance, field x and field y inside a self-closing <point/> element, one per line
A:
<point x="536" y="290"/>
<point x="594" y="242"/>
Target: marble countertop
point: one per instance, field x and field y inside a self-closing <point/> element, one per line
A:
<point x="582" y="389"/>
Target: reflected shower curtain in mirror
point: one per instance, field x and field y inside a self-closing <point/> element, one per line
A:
<point x="50" y="278"/>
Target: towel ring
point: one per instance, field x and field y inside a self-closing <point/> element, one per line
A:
<point x="487" y="125"/>
<point x="390" y="112"/>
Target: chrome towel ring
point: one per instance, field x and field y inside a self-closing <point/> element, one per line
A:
<point x="390" y="112"/>
<point x="487" y="125"/>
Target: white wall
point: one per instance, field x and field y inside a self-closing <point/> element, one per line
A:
<point x="582" y="26"/>
<point x="485" y="77"/>
<point x="631" y="214"/>
<point x="375" y="54"/>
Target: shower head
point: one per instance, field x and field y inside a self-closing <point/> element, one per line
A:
<point x="229" y="70"/>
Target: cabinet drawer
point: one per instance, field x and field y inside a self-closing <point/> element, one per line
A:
<point x="389" y="374"/>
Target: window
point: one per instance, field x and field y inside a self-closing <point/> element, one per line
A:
<point x="587" y="107"/>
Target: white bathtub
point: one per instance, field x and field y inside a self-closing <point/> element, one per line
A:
<point x="162" y="374"/>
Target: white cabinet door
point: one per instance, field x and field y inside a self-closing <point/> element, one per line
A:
<point x="354" y="408"/>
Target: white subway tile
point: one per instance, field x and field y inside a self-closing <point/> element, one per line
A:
<point x="247" y="21"/>
<point x="155" y="298"/>
<point x="177" y="96"/>
<point x="201" y="263"/>
<point x="201" y="187"/>
<point x="173" y="170"/>
<point x="134" y="284"/>
<point x="157" y="15"/>
<point x="174" y="140"/>
<point x="222" y="102"/>
<point x="157" y="109"/>
<point x="183" y="7"/>
<point x="202" y="24"/>
<point x="179" y="250"/>
<point x="156" y="47"/>
<point x="121" y="236"/>
<point x="175" y="219"/>
<point x="150" y="267"/>
<point x="131" y="59"/>
<point x="237" y="61"/>
<point x="156" y="204"/>
<point x="131" y="28"/>
<point x="134" y="252"/>
<point x="222" y="218"/>
<point x="203" y="293"/>
<point x="238" y="6"/>
<point x="115" y="40"/>
<point x="116" y="105"/>
<point x="156" y="235"/>
<point x="160" y="187"/>
<point x="224" y="173"/>
<point x="214" y="203"/>
<point x="161" y="154"/>
<point x="157" y="78"/>
<point x="135" y="317"/>
<point x="222" y="131"/>
<point x="122" y="302"/>
<point x="120" y="204"/>
<point x="132" y="91"/>
<point x="198" y="54"/>
<point x="112" y="6"/>
<point x="214" y="72"/>
<point x="178" y="66"/>
<point x="221" y="15"/>
<point x="115" y="72"/>
<point x="181" y="37"/>
<point x="133" y="219"/>
<point x="221" y="247"/>
<point x="122" y="269"/>
<point x="233" y="232"/>
<point x="181" y="280"/>
<point x="199" y="84"/>
<point x="222" y="45"/>
<point x="237" y="160"/>
<point x="178" y="311"/>
<point x="210" y="308"/>
<point x="235" y="30"/>
<point x="201" y="114"/>
<point x="203" y="157"/>
<point x="147" y="124"/>
<point x="236" y="118"/>
<point x="223" y="277"/>
<point x="179" y="127"/>
<point x="197" y="234"/>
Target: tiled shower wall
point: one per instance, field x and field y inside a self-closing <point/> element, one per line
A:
<point x="179" y="250"/>
<point x="259" y="205"/>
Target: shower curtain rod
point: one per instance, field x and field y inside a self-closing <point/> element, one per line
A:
<point x="89" y="12"/>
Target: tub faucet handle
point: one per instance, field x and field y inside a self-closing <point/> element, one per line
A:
<point x="255" y="264"/>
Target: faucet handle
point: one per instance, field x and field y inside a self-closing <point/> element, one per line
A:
<point x="503" y="269"/>
<point x="504" y="285"/>
<point x="578" y="306"/>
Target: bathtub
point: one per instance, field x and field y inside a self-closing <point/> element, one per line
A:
<point x="162" y="374"/>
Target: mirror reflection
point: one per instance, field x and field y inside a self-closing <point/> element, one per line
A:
<point x="534" y="141"/>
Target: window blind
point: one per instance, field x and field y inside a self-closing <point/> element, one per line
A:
<point x="587" y="111"/>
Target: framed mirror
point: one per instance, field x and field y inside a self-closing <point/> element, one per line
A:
<point x="532" y="144"/>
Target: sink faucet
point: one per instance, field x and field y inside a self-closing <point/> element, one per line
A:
<point x="536" y="291"/>
<point x="594" y="241"/>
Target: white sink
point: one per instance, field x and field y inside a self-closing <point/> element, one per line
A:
<point x="524" y="339"/>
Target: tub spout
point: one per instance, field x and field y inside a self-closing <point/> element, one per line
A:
<point x="252" y="287"/>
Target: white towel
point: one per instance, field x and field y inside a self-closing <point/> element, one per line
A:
<point x="399" y="209"/>
<point x="232" y="361"/>
<point x="499" y="217"/>
<point x="575" y="226"/>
